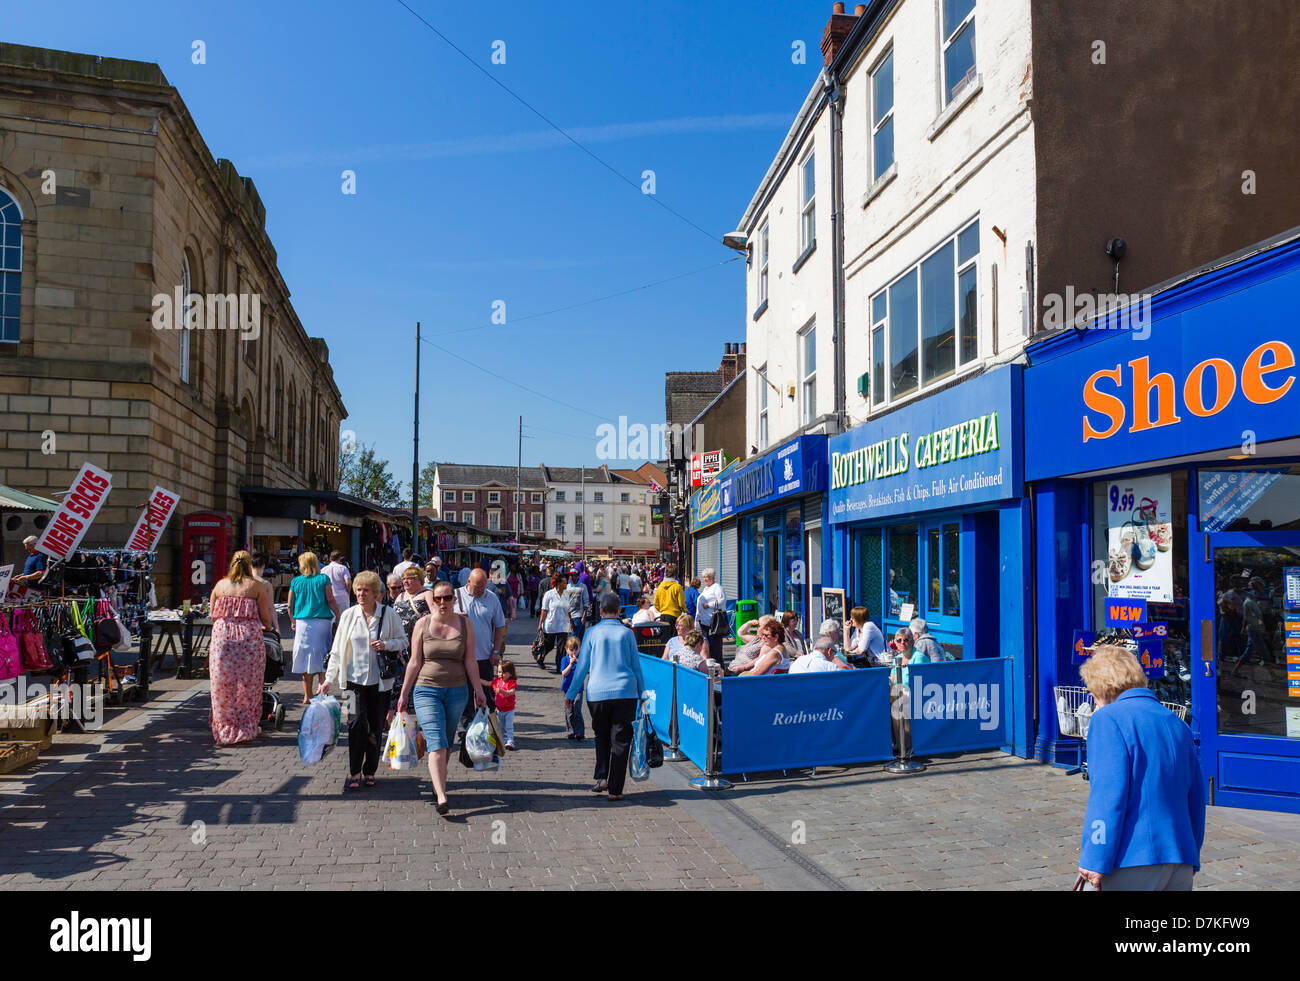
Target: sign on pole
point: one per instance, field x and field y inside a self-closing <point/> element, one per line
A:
<point x="153" y="520"/>
<point x="80" y="506"/>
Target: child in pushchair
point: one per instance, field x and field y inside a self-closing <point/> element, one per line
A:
<point x="272" y="707"/>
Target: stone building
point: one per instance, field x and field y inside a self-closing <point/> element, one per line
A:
<point x="484" y="496"/>
<point x="112" y="206"/>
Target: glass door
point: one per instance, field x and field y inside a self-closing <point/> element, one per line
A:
<point x="774" y="577"/>
<point x="1247" y="688"/>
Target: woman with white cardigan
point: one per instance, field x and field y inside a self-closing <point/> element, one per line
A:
<point x="364" y="630"/>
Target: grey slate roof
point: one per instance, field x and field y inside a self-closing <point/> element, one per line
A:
<point x="469" y="475"/>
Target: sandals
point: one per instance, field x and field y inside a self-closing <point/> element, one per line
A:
<point x="600" y="787"/>
<point x="616" y="797"/>
<point x="368" y="781"/>
<point x="354" y="783"/>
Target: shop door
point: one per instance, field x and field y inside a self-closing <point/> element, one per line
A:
<point x="773" y="575"/>
<point x="1246" y="688"/>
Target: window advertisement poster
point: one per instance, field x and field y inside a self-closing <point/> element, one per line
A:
<point x="1140" y="535"/>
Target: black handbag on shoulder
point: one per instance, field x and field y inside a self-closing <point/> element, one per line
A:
<point x="390" y="662"/>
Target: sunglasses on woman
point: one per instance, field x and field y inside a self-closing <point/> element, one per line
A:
<point x="445" y="598"/>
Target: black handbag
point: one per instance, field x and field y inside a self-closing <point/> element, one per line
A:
<point x="107" y="633"/>
<point x="654" y="749"/>
<point x="390" y="662"/>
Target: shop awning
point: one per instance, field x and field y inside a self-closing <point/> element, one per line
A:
<point x="16" y="500"/>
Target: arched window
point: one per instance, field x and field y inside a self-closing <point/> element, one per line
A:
<point x="302" y="435"/>
<point x="277" y="403"/>
<point x="291" y="448"/>
<point x="11" y="266"/>
<point x="182" y="321"/>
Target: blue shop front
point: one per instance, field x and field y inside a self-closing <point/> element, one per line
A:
<point x="927" y="521"/>
<point x="1164" y="469"/>
<point x="776" y="506"/>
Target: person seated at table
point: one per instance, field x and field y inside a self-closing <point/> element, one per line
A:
<point x="693" y="652"/>
<point x="750" y="643"/>
<point x="925" y="642"/>
<point x="684" y="625"/>
<point x="822" y="658"/>
<point x="831" y="629"/>
<point x="796" y="644"/>
<point x="865" y="640"/>
<point x="771" y="658"/>
<point x="645" y="613"/>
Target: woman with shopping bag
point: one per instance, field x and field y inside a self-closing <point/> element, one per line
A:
<point x="365" y="659"/>
<point x="442" y="660"/>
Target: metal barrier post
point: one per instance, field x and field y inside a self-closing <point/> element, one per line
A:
<point x="187" y="646"/>
<point x="672" y="754"/>
<point x="904" y="763"/>
<point x="145" y="629"/>
<point x="711" y="778"/>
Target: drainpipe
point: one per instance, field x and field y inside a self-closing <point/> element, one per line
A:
<point x="835" y="94"/>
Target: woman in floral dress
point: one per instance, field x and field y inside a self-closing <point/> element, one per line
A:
<point x="241" y="609"/>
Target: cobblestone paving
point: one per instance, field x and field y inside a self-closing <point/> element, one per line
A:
<point x="128" y="818"/>
<point x="981" y="821"/>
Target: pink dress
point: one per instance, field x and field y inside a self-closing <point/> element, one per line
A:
<point x="237" y="666"/>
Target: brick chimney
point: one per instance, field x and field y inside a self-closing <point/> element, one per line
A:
<point x="837" y="29"/>
<point x="733" y="362"/>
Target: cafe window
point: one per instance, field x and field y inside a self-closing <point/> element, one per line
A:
<point x="902" y="575"/>
<point x="871" y="586"/>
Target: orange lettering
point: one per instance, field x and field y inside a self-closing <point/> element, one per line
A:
<point x="1163" y="383"/>
<point x="1108" y="405"/>
<point x="1225" y="384"/>
<point x="1254" y="370"/>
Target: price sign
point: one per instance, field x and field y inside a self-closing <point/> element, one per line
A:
<point x="1083" y="640"/>
<point x="1151" y="655"/>
<point x="1143" y="631"/>
<point x="1121" y="498"/>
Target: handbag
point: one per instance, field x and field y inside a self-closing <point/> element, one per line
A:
<point x="35" y="655"/>
<point x="107" y="633"/>
<point x="82" y="650"/>
<point x="11" y="662"/>
<point x="390" y="662"/>
<point x="654" y="748"/>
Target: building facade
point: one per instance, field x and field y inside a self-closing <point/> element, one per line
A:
<point x="486" y="497"/>
<point x="113" y="207"/>
<point x="598" y="513"/>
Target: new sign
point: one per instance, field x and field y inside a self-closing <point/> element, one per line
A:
<point x="954" y="448"/>
<point x="80" y="505"/>
<point x="162" y="505"/>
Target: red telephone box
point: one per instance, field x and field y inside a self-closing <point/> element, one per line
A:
<point x="207" y="537"/>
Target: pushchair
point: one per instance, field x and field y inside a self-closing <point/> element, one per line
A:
<point x="272" y="707"/>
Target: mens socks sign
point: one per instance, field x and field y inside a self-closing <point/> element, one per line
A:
<point x="80" y="506"/>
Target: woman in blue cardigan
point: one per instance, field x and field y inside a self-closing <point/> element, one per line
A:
<point x="610" y="666"/>
<point x="1145" y="821"/>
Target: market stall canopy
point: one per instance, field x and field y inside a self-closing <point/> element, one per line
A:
<point x="555" y="553"/>
<point x="16" y="500"/>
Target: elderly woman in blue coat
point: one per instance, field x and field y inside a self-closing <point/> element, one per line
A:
<point x="1145" y="822"/>
<point x="610" y="667"/>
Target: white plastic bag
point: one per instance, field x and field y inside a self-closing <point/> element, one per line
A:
<point x="637" y="767"/>
<point x="478" y="738"/>
<point x="402" y="749"/>
<point x="319" y="729"/>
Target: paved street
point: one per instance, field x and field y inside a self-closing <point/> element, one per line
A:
<point x="148" y="803"/>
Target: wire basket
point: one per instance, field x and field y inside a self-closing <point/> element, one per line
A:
<point x="1074" y="708"/>
<point x="1177" y="708"/>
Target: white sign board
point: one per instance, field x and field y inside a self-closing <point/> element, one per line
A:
<point x="6" y="573"/>
<point x="710" y="466"/>
<point x="153" y="520"/>
<point x="1140" y="537"/>
<point x="80" y="505"/>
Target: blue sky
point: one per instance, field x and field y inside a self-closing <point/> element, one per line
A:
<point x="464" y="197"/>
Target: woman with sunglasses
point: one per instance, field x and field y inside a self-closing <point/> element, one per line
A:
<point x="771" y="656"/>
<point x="442" y="660"/>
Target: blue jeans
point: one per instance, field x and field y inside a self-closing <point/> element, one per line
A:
<point x="438" y="710"/>
<point x="625" y="596"/>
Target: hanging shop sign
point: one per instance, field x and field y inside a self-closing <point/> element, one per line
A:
<point x="1216" y="369"/>
<point x="705" y="467"/>
<point x="952" y="449"/>
<point x="80" y="506"/>
<point x="1140" y="539"/>
<point x="153" y="520"/>
<point x="706" y="503"/>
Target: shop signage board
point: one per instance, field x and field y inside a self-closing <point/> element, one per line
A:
<point x="1218" y="360"/>
<point x="6" y="573"/>
<point x="1291" y="629"/>
<point x="1228" y="494"/>
<point x="1125" y="612"/>
<point x="1291" y="577"/>
<point x="1140" y="536"/>
<point x="706" y="503"/>
<point x="797" y="466"/>
<point x="955" y="448"/>
<point x="153" y="520"/>
<point x="705" y="467"/>
<point x="80" y="506"/>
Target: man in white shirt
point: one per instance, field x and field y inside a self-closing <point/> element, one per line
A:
<point x="340" y="580"/>
<point x="405" y="564"/>
<point x="822" y="658"/>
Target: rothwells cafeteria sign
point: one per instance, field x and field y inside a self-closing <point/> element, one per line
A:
<point x="80" y="505"/>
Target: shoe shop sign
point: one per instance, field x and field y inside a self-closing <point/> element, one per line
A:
<point x="1140" y="538"/>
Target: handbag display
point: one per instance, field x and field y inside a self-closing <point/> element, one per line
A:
<point x="77" y="646"/>
<point x="106" y="631"/>
<point x="11" y="662"/>
<point x="36" y="657"/>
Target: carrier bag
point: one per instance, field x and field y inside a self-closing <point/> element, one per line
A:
<point x="637" y="766"/>
<point x="319" y="729"/>
<point x="478" y="738"/>
<point x="401" y="752"/>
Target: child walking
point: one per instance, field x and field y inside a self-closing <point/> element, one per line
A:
<point x="503" y="688"/>
<point x="572" y="699"/>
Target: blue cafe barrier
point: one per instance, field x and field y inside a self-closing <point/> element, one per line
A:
<point x="960" y="705"/>
<point x="692" y="716"/>
<point x="786" y="722"/>
<point x="658" y="676"/>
